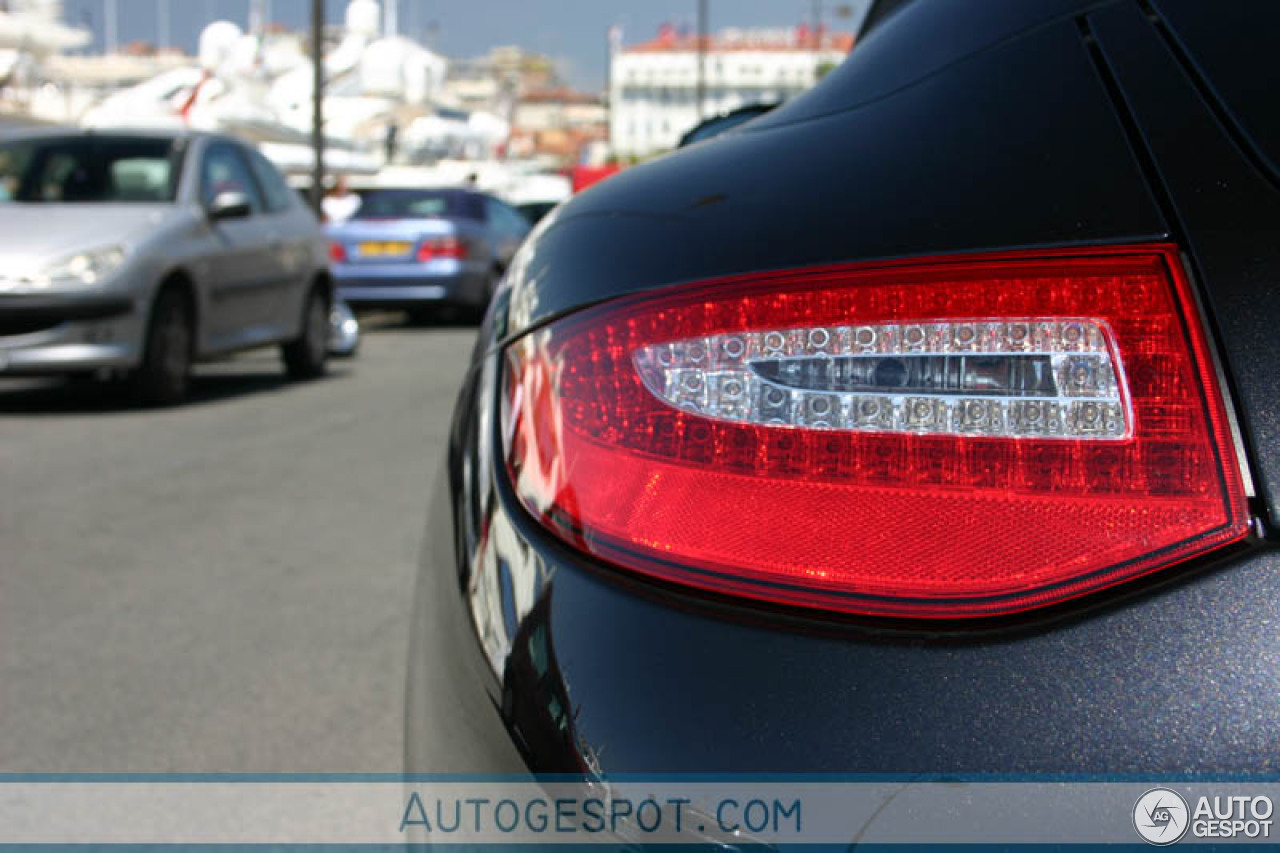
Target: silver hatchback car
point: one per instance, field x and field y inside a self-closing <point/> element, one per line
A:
<point x="144" y="252"/>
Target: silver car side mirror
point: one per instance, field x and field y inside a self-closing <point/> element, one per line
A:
<point x="230" y="205"/>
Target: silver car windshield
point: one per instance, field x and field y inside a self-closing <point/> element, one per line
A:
<point x="87" y="169"/>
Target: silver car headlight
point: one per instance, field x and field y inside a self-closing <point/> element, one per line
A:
<point x="81" y="270"/>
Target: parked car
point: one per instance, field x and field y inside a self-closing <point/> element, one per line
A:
<point x="344" y="330"/>
<point x="926" y="424"/>
<point x="420" y="249"/>
<point x="536" y="211"/>
<point x="537" y="195"/>
<point x="720" y="124"/>
<point x="145" y="252"/>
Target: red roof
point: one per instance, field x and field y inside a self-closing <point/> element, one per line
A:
<point x="558" y="96"/>
<point x="671" y="42"/>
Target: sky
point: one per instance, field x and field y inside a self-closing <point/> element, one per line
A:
<point x="570" y="31"/>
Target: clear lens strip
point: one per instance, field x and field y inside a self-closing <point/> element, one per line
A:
<point x="1044" y="378"/>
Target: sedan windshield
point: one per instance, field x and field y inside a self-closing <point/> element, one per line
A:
<point x="417" y="204"/>
<point x="89" y="170"/>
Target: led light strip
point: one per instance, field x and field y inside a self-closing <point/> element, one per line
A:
<point x="1015" y="378"/>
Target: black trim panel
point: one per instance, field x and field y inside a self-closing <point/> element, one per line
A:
<point x="24" y="315"/>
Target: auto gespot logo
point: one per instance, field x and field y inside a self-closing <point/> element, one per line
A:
<point x="1162" y="816"/>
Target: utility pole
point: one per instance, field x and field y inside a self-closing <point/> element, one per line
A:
<point x="110" y="24"/>
<point x="703" y="15"/>
<point x="317" y="104"/>
<point x="608" y="87"/>
<point x="162" y="24"/>
<point x="257" y="18"/>
<point x="613" y="46"/>
<point x="391" y="19"/>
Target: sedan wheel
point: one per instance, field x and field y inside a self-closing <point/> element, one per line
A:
<point x="164" y="376"/>
<point x="305" y="358"/>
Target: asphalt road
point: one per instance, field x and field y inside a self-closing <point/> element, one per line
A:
<point x="223" y="587"/>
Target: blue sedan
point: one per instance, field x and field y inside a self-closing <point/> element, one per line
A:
<point x="420" y="249"/>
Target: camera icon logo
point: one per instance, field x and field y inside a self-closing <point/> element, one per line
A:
<point x="1160" y="816"/>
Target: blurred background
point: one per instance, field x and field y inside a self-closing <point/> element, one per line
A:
<point x="227" y="585"/>
<point x="498" y="89"/>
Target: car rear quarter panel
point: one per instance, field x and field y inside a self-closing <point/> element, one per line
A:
<point x="1015" y="146"/>
<point x="974" y="158"/>
<point x="1225" y="212"/>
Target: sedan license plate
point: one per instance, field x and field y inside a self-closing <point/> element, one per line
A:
<point x="385" y="249"/>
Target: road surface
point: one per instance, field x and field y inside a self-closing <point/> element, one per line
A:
<point x="222" y="587"/>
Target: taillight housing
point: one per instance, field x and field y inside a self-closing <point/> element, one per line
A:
<point x="441" y="247"/>
<point x="337" y="252"/>
<point x="946" y="438"/>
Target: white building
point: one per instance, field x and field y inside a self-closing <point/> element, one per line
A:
<point x="653" y="86"/>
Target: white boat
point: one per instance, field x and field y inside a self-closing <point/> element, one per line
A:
<point x="260" y="85"/>
<point x="35" y="27"/>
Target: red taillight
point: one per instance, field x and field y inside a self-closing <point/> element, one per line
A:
<point x="944" y="439"/>
<point x="442" y="247"/>
<point x="337" y="253"/>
